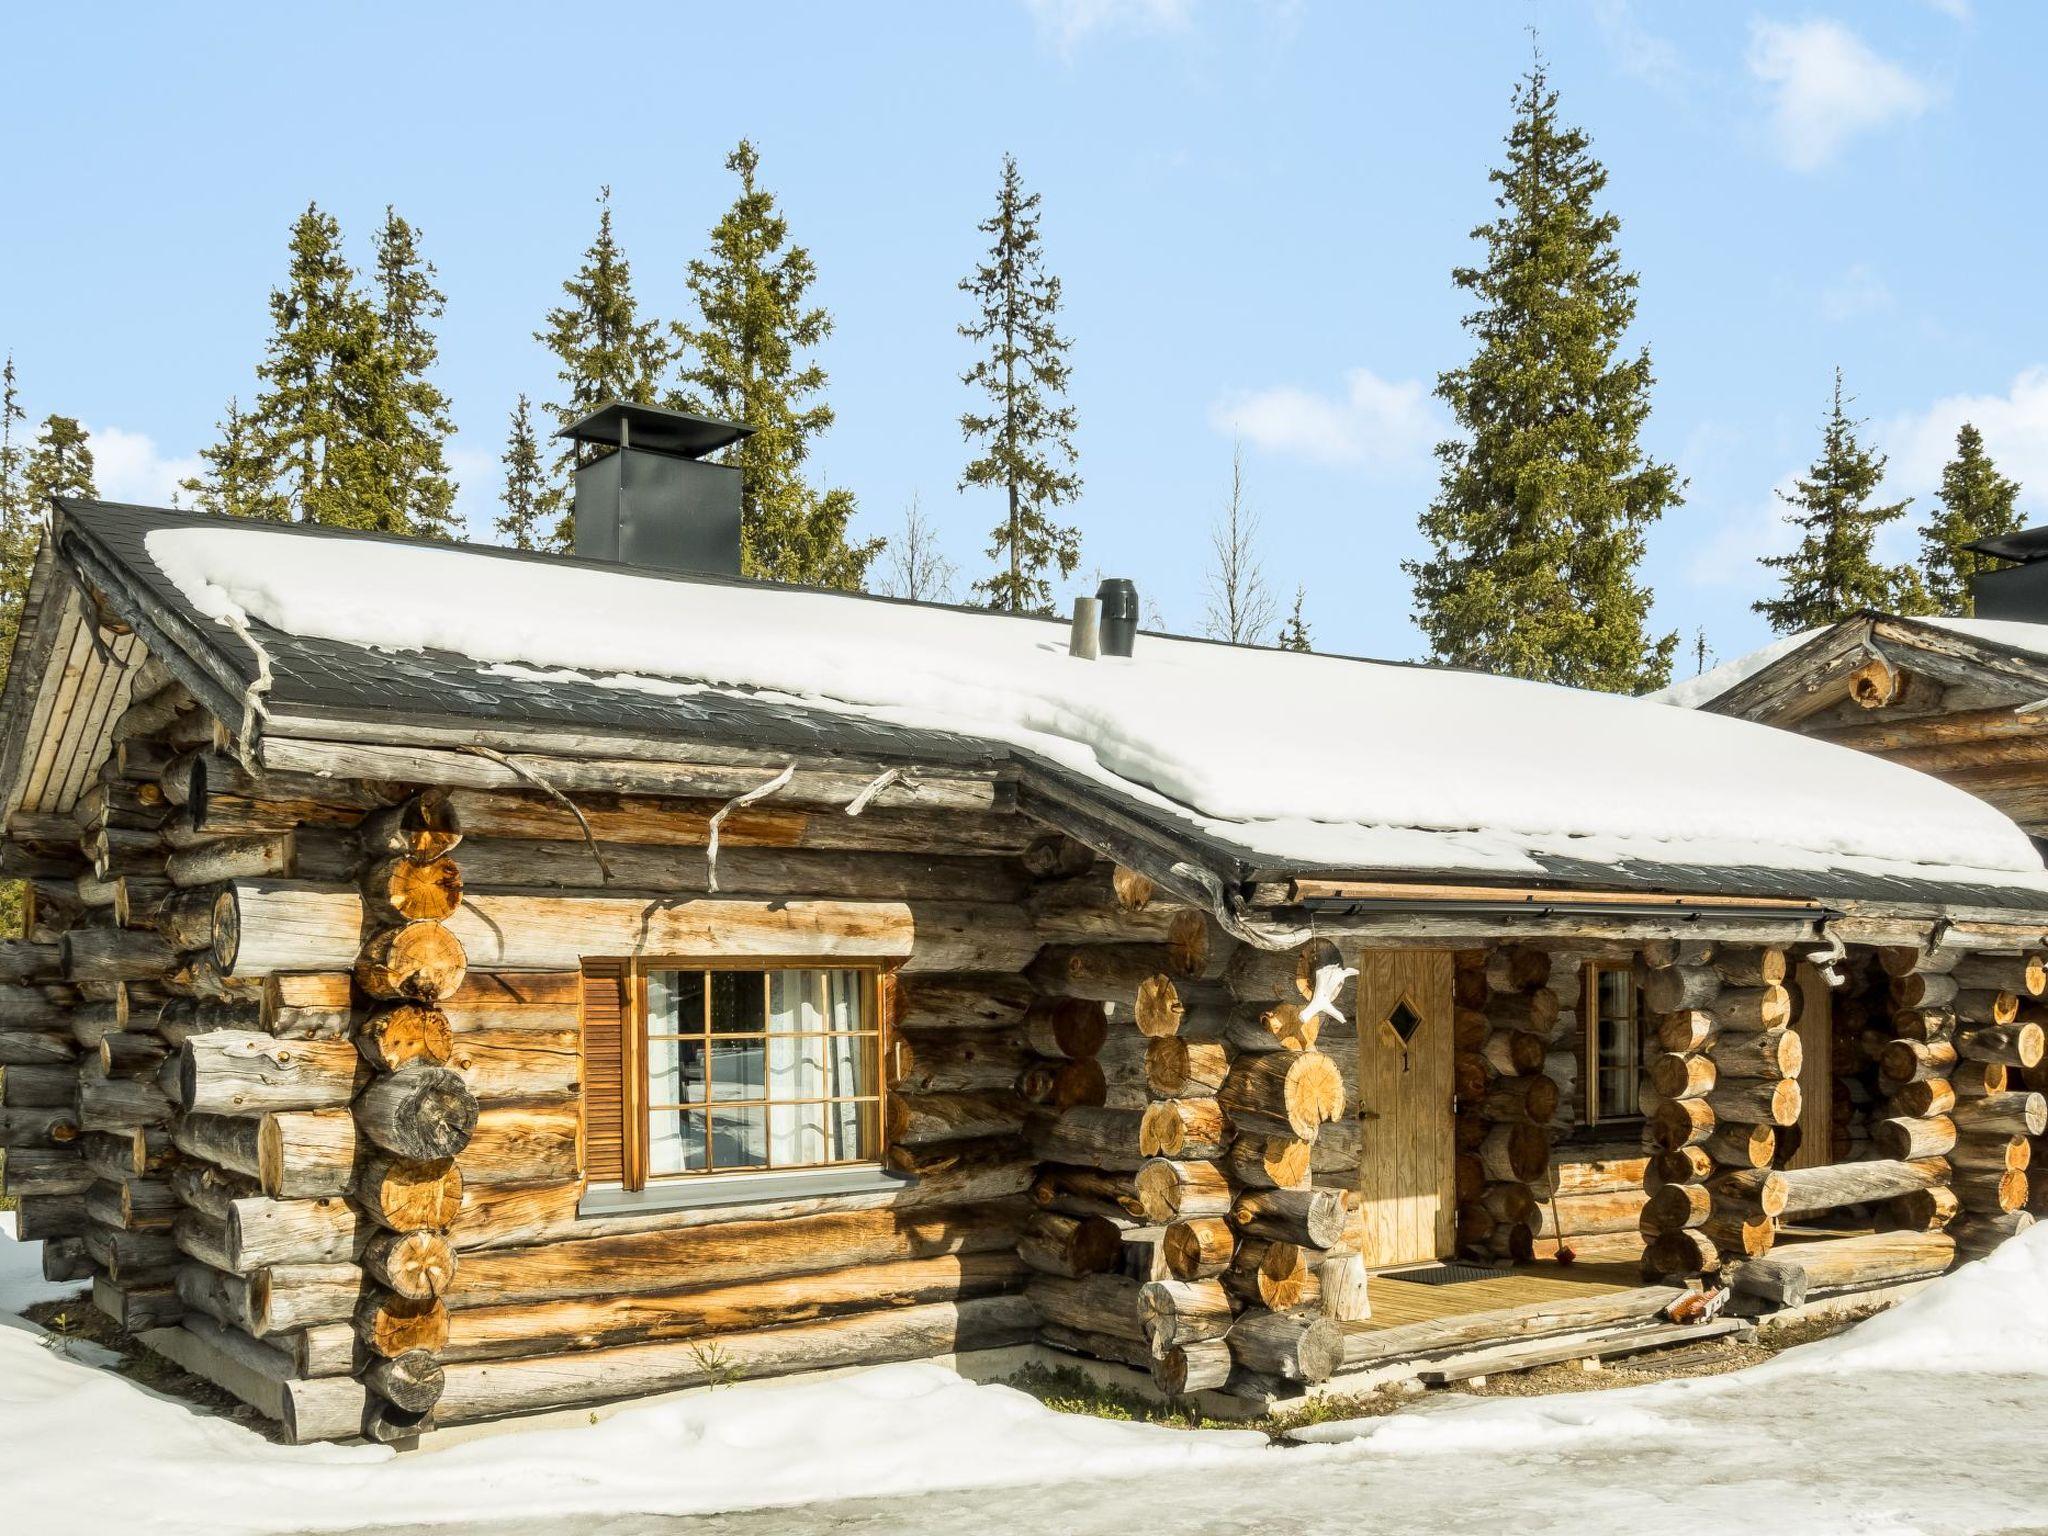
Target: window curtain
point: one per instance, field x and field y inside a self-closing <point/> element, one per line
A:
<point x="812" y="1058"/>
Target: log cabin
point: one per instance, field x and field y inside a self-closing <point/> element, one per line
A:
<point x="458" y="982"/>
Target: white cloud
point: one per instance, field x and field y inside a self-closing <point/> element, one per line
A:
<point x="1954" y="10"/>
<point x="1067" y="23"/>
<point x="1637" y="49"/>
<point x="128" y="466"/>
<point x="1728" y="557"/>
<point x="1858" y="291"/>
<point x="1376" y="422"/>
<point x="2014" y="424"/>
<point x="1828" y="86"/>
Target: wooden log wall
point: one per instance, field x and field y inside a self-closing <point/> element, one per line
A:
<point x="269" y="1057"/>
<point x="1210" y="1143"/>
<point x="1511" y="1033"/>
<point x="1717" y="1096"/>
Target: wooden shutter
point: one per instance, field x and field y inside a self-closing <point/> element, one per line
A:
<point x="606" y="1018"/>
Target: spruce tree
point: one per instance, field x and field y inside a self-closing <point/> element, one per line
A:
<point x="603" y="349"/>
<point x="526" y="486"/>
<point x="20" y="518"/>
<point x="1294" y="634"/>
<point x="747" y="360"/>
<point x="1835" y="571"/>
<point x="317" y="375"/>
<point x="1025" y="437"/>
<point x="1538" y="523"/>
<point x="236" y="481"/>
<point x="1975" y="502"/>
<point x="60" y="464"/>
<point x="407" y="414"/>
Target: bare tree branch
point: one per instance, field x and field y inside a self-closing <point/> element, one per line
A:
<point x="1240" y="604"/>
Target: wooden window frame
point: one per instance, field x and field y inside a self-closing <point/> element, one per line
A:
<point x="878" y="1000"/>
<point x="1589" y="1042"/>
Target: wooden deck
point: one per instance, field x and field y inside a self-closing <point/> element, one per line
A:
<point x="1396" y="1301"/>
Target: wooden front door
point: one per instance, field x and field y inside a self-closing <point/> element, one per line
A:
<point x="1407" y="1181"/>
<point x="1813" y="1020"/>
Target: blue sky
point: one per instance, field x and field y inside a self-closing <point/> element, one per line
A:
<point x="1254" y="207"/>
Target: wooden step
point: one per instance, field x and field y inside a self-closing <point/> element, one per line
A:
<point x="1476" y="1367"/>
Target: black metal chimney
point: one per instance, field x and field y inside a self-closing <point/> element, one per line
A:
<point x="2016" y="591"/>
<point x="653" y="501"/>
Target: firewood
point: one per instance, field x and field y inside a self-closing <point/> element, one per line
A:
<point x="1170" y="1191"/>
<point x="1259" y="975"/>
<point x="1271" y="1162"/>
<point x="1108" y="973"/>
<point x="1747" y="1010"/>
<point x="1978" y="1234"/>
<point x="412" y="1382"/>
<point x="1176" y="1313"/>
<point x="301" y="1153"/>
<point x="1787" y="1278"/>
<point x="1774" y="1053"/>
<point x="1930" y="1096"/>
<point x="1907" y="1061"/>
<point x="390" y="1325"/>
<point x="1661" y="954"/>
<point x="1923" y="989"/>
<point x="1198" y="1249"/>
<point x="1308" y="1218"/>
<point x="426" y="827"/>
<point x="1993" y="1154"/>
<point x="1757" y="1101"/>
<point x="1190" y="1368"/>
<point x="1674" y="1207"/>
<point x="2002" y="1114"/>
<point x="1517" y="1151"/>
<point x="415" y="1265"/>
<point x="1679" y="1076"/>
<point x="422" y="962"/>
<point x="402" y="1195"/>
<point x="1184" y="1128"/>
<point x="2017" y="1045"/>
<point x="1904" y="1137"/>
<point x="1736" y="1145"/>
<point x="1287" y="1345"/>
<point x="2025" y="974"/>
<point x="114" y="954"/>
<point x="1068" y="1245"/>
<point x="1517" y="968"/>
<point x="236" y="1072"/>
<point x="1676" y="988"/>
<point x="970" y="1001"/>
<point x="1176" y="1066"/>
<point x="1521" y="1098"/>
<point x="1810" y="1191"/>
<point x="1680" y="1123"/>
<point x="401" y="889"/>
<point x="1104" y="1304"/>
<point x="1067" y="1026"/>
<point x="1988" y="1007"/>
<point x="1534" y="1013"/>
<point x="2005" y="1190"/>
<point x="1513" y="1053"/>
<point x="1750" y="967"/>
<point x="1288" y="1094"/>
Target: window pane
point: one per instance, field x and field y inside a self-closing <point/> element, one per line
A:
<point x="737" y="1002"/>
<point x="796" y="1067"/>
<point x="675" y="1141"/>
<point x="675" y="1002"/>
<point x="816" y="1133"/>
<point x="735" y="1070"/>
<point x="739" y="1138"/>
<point x="1616" y="1044"/>
<point x="675" y="1071"/>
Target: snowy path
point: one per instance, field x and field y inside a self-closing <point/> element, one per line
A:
<point x="1928" y="1419"/>
<point x="1816" y="1455"/>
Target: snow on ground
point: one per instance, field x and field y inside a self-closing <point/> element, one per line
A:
<point x="1896" y="1426"/>
<point x="1313" y="761"/>
<point x="21" y="1274"/>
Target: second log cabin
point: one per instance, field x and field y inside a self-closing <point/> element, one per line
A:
<point x="459" y="982"/>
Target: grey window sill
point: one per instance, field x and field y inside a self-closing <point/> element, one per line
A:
<point x="736" y="1189"/>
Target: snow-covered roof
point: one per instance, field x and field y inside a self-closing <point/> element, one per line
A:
<point x="1309" y="762"/>
<point x="1717" y="682"/>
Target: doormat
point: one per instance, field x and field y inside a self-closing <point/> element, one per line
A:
<point x="1441" y="1274"/>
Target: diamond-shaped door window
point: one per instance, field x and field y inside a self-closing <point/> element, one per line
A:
<point x="1404" y="1021"/>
